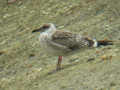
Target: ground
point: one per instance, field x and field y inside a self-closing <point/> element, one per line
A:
<point x="24" y="66"/>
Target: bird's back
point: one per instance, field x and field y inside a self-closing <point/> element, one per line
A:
<point x="61" y="42"/>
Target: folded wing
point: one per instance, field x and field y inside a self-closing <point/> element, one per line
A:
<point x="69" y="40"/>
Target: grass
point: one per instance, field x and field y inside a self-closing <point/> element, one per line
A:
<point x="24" y="66"/>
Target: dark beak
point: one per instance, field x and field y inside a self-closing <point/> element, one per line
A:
<point x="36" y="30"/>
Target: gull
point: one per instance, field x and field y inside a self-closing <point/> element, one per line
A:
<point x="61" y="42"/>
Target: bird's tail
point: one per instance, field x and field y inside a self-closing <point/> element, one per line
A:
<point x="102" y="43"/>
<point x="105" y="42"/>
<point x="97" y="43"/>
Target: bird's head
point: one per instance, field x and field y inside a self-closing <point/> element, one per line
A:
<point x="45" y="27"/>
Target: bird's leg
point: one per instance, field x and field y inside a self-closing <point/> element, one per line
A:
<point x="59" y="63"/>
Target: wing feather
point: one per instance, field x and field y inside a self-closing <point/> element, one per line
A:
<point x="69" y="40"/>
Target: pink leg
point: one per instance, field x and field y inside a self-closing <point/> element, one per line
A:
<point x="59" y="63"/>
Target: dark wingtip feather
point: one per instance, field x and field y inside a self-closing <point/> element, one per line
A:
<point x="105" y="42"/>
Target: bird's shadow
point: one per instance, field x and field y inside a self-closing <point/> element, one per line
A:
<point x="63" y="68"/>
<point x="52" y="72"/>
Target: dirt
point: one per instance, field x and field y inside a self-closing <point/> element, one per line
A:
<point x="24" y="66"/>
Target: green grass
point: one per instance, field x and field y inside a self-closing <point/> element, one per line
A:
<point x="24" y="66"/>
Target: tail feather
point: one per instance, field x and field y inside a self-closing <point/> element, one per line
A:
<point x="104" y="42"/>
<point x="97" y="43"/>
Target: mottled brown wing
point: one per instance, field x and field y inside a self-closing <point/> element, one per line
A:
<point x="70" y="40"/>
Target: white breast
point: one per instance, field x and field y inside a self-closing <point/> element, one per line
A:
<point x="43" y="38"/>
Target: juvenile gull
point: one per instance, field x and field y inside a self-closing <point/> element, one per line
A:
<point x="62" y="43"/>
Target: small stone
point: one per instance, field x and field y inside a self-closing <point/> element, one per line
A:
<point x="112" y="84"/>
<point x="90" y="59"/>
<point x="1" y="53"/>
<point x="31" y="55"/>
<point x="104" y="57"/>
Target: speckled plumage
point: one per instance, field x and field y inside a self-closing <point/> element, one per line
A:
<point x="62" y="43"/>
<point x="59" y="42"/>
